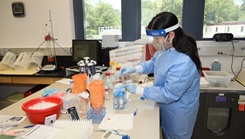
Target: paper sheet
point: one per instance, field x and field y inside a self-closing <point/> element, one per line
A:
<point x="64" y="81"/>
<point x="61" y="129"/>
<point x="117" y="122"/>
<point x="41" y="132"/>
<point x="7" y="119"/>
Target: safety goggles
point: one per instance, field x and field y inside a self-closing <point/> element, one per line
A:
<point x="161" y="32"/>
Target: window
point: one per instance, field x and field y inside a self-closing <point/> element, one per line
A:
<point x="226" y="15"/>
<point x="102" y="17"/>
<point x="201" y="19"/>
<point x="216" y="29"/>
<point x="149" y="8"/>
<point x="242" y="28"/>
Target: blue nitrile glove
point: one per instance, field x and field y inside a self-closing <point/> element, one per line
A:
<point x="125" y="70"/>
<point x="130" y="87"/>
<point x="49" y="91"/>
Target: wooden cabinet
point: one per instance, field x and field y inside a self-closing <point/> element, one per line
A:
<point x="5" y="79"/>
<point x="28" y="79"/>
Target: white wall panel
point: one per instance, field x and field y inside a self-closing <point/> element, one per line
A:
<point x="27" y="32"/>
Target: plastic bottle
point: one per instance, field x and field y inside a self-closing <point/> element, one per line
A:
<point x="116" y="100"/>
<point x="119" y="79"/>
<point x="108" y="82"/>
<point x="84" y="104"/>
<point x="216" y="65"/>
<point x="121" y="99"/>
<point x="111" y="70"/>
<point x="71" y="85"/>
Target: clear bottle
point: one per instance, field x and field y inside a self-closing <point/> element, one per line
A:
<point x="84" y="104"/>
<point x="116" y="100"/>
<point x="71" y="85"/>
<point x="121" y="99"/>
<point x="119" y="79"/>
<point x="216" y="65"/>
<point x="111" y="70"/>
<point x="108" y="82"/>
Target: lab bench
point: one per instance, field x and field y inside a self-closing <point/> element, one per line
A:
<point x="145" y="124"/>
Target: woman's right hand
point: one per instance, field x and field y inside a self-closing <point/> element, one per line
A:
<point x="126" y="70"/>
<point x="130" y="87"/>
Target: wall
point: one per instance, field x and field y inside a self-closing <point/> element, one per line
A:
<point x="29" y="31"/>
<point x="208" y="51"/>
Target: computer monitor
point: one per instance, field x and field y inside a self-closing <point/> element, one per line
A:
<point x="86" y="48"/>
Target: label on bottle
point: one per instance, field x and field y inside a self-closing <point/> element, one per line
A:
<point x="115" y="102"/>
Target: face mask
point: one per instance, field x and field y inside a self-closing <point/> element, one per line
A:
<point x="162" y="46"/>
<point x="158" y="46"/>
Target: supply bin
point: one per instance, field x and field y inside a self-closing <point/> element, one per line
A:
<point x="218" y="78"/>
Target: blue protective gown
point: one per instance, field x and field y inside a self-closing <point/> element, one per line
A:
<point x="176" y="88"/>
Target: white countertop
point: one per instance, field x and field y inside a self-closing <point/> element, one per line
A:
<point x="234" y="86"/>
<point x="145" y="124"/>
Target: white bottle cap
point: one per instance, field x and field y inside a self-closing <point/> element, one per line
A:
<point x="85" y="95"/>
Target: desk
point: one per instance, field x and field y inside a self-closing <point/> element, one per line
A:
<point x="146" y="122"/>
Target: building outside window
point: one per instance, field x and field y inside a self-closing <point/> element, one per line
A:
<point x="201" y="19"/>
<point x="227" y="15"/>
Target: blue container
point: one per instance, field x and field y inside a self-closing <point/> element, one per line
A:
<point x="96" y="115"/>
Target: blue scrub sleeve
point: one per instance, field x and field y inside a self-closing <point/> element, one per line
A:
<point x="179" y="79"/>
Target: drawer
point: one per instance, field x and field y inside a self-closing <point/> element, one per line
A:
<point x="5" y="79"/>
<point x="33" y="80"/>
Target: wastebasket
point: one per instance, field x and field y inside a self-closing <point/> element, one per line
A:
<point x="15" y="97"/>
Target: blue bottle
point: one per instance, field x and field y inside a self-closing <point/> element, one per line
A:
<point x="121" y="99"/>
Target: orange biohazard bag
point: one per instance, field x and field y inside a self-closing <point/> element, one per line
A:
<point x="79" y="83"/>
<point x="97" y="93"/>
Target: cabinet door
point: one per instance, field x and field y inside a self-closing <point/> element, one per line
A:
<point x="5" y="79"/>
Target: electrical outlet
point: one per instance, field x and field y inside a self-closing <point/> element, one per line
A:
<point x="9" y="50"/>
<point x="243" y="48"/>
<point x="220" y="53"/>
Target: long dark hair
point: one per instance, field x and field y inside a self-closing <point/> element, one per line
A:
<point x="182" y="42"/>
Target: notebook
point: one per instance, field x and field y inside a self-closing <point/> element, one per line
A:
<point x="75" y="129"/>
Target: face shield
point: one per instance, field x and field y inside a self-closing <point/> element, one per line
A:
<point x="154" y="37"/>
